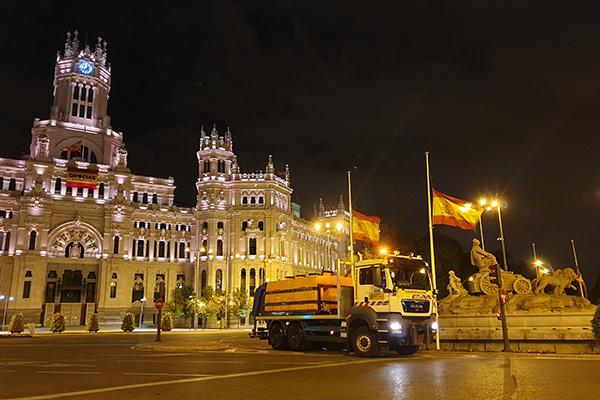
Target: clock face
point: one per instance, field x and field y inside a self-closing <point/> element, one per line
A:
<point x="85" y="67"/>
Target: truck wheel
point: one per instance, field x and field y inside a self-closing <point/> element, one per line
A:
<point x="364" y="342"/>
<point x="295" y="338"/>
<point x="406" y="350"/>
<point x="277" y="337"/>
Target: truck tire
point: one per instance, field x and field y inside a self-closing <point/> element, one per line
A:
<point x="295" y="337"/>
<point x="277" y="337"/>
<point x="364" y="342"/>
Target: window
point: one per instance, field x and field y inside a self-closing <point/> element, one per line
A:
<point x="220" y="225"/>
<point x="203" y="281"/>
<point x="32" y="238"/>
<point x="253" y="200"/>
<point x="26" y="289"/>
<point x="244" y="225"/>
<point x="135" y="197"/>
<point x="220" y="247"/>
<point x="261" y="226"/>
<point x="161" y="248"/>
<point x="245" y="200"/>
<point x="219" y="280"/>
<point x="83" y="100"/>
<point x="1" y="183"/>
<point x="101" y="190"/>
<point x="261" y="200"/>
<point x="252" y="281"/>
<point x="221" y="166"/>
<point x="365" y="276"/>
<point x="140" y="248"/>
<point x="137" y="292"/>
<point x="57" y="185"/>
<point x="243" y="280"/>
<point x="116" y="241"/>
<point x="154" y="198"/>
<point x="206" y="168"/>
<point x="145" y="198"/>
<point x="12" y="184"/>
<point x="182" y="250"/>
<point x="252" y="246"/>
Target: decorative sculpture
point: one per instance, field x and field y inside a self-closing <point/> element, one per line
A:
<point x="455" y="286"/>
<point x="481" y="258"/>
<point x="559" y="280"/>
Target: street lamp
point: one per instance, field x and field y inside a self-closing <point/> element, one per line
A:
<point x="10" y="298"/>
<point x="498" y="205"/>
<point x="142" y="301"/>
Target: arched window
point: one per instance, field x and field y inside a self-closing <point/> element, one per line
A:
<point x="154" y="198"/>
<point x="252" y="281"/>
<point x="220" y="247"/>
<point x="57" y="186"/>
<point x="245" y="200"/>
<point x="261" y="200"/>
<point x="12" y="184"/>
<point x="32" y="238"/>
<point x="101" y="190"/>
<point x="116" y="241"/>
<point x="243" y="280"/>
<point x="204" y="247"/>
<point x="219" y="280"/>
<point x="261" y="276"/>
<point x="253" y="200"/>
<point x="203" y="281"/>
<point x="220" y="225"/>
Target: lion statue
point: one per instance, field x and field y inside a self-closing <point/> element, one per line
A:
<point x="559" y="280"/>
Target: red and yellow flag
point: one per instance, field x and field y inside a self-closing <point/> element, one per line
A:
<point x="365" y="227"/>
<point x="448" y="210"/>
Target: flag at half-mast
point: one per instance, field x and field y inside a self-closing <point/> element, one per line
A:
<point x="448" y="210"/>
<point x="365" y="227"/>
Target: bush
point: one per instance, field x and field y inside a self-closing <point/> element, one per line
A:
<point x="58" y="323"/>
<point x="128" y="324"/>
<point x="17" y="323"/>
<point x="596" y="324"/>
<point x="166" y="322"/>
<point x="92" y="323"/>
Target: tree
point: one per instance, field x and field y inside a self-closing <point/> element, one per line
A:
<point x="58" y="323"/>
<point x="596" y="324"/>
<point x="128" y="324"/>
<point x="166" y="322"/>
<point x="202" y="305"/>
<point x="17" y="323"/>
<point x="218" y="305"/>
<point x="179" y="304"/>
<point x="240" y="306"/>
<point x="92" y="323"/>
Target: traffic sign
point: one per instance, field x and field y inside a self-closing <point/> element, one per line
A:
<point x="159" y="304"/>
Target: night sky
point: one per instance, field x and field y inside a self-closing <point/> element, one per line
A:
<point x="506" y="99"/>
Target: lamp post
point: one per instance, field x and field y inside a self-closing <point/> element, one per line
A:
<point x="142" y="301"/>
<point x="496" y="205"/>
<point x="196" y="273"/>
<point x="7" y="300"/>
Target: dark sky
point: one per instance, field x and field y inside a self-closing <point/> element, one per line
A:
<point x="505" y="98"/>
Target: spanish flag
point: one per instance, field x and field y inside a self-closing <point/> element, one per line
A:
<point x="448" y="210"/>
<point x="365" y="228"/>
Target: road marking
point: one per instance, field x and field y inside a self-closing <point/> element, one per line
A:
<point x="214" y="362"/>
<point x="69" y="372"/>
<point x="193" y="380"/>
<point x="572" y="358"/>
<point x="162" y="373"/>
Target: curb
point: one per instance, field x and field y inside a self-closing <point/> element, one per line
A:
<point x="180" y="348"/>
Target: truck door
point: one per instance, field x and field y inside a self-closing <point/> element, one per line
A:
<point x="371" y="281"/>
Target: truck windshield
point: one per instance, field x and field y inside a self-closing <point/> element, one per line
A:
<point x="409" y="274"/>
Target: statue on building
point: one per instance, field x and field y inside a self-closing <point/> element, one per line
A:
<point x="120" y="157"/>
<point x="75" y="251"/>
<point x="481" y="258"/>
<point x="455" y="286"/>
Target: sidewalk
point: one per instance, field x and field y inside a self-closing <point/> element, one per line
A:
<point x="80" y="330"/>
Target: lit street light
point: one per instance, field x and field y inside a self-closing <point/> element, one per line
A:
<point x="10" y="298"/>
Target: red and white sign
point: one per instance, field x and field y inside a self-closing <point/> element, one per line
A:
<point x="159" y="304"/>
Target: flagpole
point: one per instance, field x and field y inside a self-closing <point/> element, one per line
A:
<point x="351" y="232"/>
<point x="481" y="232"/>
<point x="432" y="251"/>
<point x="580" y="275"/>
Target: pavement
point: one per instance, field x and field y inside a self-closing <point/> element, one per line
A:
<point x="116" y="366"/>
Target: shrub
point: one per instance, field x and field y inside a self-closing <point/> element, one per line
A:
<point x="17" y="323"/>
<point x="596" y="324"/>
<point x="58" y="323"/>
<point x="92" y="323"/>
<point x="166" y="322"/>
<point x="128" y="324"/>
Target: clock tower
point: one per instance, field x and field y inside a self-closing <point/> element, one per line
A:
<point x="81" y="84"/>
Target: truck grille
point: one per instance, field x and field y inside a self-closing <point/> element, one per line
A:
<point x="415" y="306"/>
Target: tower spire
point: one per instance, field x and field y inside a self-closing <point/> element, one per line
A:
<point x="341" y="206"/>
<point x="270" y="169"/>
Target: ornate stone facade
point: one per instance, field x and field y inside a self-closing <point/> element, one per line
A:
<point x="79" y="232"/>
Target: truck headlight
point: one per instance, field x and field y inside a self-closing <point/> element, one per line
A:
<point x="395" y="326"/>
<point x="434" y="325"/>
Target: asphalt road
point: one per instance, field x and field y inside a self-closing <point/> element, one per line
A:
<point x="105" y="366"/>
